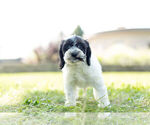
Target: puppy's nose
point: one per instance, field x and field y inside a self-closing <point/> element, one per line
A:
<point x="74" y="54"/>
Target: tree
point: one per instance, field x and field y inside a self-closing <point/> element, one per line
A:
<point x="39" y="53"/>
<point x="50" y="52"/>
<point x="78" y="31"/>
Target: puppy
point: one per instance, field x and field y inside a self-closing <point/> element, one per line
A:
<point x="81" y="69"/>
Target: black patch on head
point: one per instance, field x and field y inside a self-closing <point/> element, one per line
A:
<point x="83" y="45"/>
<point x="67" y="45"/>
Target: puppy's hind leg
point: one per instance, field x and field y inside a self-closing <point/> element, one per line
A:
<point x="100" y="94"/>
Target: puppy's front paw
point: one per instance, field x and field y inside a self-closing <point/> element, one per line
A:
<point x="103" y="104"/>
<point x="67" y="104"/>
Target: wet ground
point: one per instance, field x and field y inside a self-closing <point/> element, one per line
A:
<point x="75" y="119"/>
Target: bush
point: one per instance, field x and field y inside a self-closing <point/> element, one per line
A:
<point x="125" y="56"/>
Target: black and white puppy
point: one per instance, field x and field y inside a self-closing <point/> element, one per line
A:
<point x="81" y="69"/>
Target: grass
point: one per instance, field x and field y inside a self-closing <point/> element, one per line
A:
<point x="33" y="93"/>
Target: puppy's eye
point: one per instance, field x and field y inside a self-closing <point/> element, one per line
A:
<point x="66" y="47"/>
<point x="69" y="46"/>
<point x="79" y="46"/>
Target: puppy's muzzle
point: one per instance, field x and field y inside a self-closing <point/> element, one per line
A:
<point x="75" y="55"/>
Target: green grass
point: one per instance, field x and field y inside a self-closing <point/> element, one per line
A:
<point x="43" y="92"/>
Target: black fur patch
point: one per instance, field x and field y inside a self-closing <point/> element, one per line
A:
<point x="83" y="45"/>
<point x="88" y="54"/>
<point x="61" y="56"/>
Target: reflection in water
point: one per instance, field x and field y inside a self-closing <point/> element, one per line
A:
<point x="75" y="119"/>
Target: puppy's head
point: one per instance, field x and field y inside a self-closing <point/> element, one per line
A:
<point x="74" y="50"/>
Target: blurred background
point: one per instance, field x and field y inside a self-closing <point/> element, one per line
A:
<point x="31" y="31"/>
<point x="30" y="34"/>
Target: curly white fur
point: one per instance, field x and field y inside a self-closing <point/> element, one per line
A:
<point x="81" y="75"/>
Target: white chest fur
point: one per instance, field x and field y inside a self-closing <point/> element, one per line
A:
<point x="81" y="74"/>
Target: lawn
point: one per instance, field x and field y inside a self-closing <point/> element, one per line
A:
<point x="43" y="92"/>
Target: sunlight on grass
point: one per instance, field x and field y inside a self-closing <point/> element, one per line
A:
<point x="14" y="86"/>
<point x="131" y="78"/>
<point x="34" y="92"/>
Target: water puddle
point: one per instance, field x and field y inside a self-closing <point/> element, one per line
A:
<point x="75" y="119"/>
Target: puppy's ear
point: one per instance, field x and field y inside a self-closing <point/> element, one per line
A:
<point x="61" y="56"/>
<point x="88" y="54"/>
